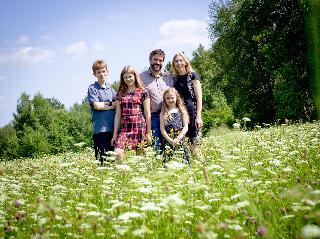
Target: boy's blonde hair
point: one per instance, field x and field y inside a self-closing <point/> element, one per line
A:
<point x="123" y="87"/>
<point x="185" y="58"/>
<point x="179" y="103"/>
<point x="98" y="64"/>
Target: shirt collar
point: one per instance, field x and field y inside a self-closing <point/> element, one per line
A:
<point x="102" y="87"/>
<point x="150" y="72"/>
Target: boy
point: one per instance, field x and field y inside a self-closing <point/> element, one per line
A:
<point x="101" y="97"/>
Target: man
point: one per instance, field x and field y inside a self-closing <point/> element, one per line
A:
<point x="156" y="82"/>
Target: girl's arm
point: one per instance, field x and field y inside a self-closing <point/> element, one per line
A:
<point x="116" y="121"/>
<point x="183" y="132"/>
<point x="164" y="133"/>
<point x="198" y="94"/>
<point x="147" y="114"/>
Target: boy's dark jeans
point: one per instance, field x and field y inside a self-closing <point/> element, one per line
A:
<point x="102" y="143"/>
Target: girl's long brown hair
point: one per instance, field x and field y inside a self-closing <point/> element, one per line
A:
<point x="179" y="103"/>
<point x="122" y="85"/>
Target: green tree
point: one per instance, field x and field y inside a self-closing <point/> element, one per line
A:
<point x="34" y="142"/>
<point x="168" y="67"/>
<point x="8" y="142"/>
<point x="216" y="110"/>
<point x="24" y="115"/>
<point x="80" y="125"/>
<point x="261" y="47"/>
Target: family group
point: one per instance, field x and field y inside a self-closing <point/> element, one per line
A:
<point x="154" y="107"/>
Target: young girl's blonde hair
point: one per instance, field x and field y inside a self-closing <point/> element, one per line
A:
<point x="123" y="87"/>
<point x="179" y="103"/>
<point x="185" y="58"/>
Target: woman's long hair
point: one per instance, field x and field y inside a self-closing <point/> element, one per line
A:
<point x="123" y="87"/>
<point x="179" y="103"/>
<point x="185" y="58"/>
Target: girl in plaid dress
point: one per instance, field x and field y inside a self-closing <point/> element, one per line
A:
<point x="174" y="121"/>
<point x="132" y="121"/>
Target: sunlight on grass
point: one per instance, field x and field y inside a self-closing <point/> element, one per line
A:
<point x="263" y="183"/>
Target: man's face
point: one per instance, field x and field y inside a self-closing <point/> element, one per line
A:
<point x="156" y="62"/>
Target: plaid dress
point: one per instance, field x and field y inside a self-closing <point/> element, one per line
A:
<point x="133" y="127"/>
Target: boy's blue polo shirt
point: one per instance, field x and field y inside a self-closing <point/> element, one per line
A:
<point x="102" y="120"/>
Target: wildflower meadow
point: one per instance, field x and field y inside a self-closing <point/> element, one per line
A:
<point x="263" y="183"/>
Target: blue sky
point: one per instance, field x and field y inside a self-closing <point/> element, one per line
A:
<point x="49" y="46"/>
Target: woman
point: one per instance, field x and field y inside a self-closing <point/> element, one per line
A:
<point x="187" y="83"/>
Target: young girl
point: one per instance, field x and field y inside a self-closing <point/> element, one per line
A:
<point x="133" y="119"/>
<point x="174" y="121"/>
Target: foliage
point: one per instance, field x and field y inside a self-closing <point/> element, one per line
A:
<point x="168" y="66"/>
<point x="204" y="64"/>
<point x="262" y="183"/>
<point x="216" y="110"/>
<point x="33" y="142"/>
<point x="115" y="85"/>
<point x="261" y="47"/>
<point x="80" y="127"/>
<point x="313" y="42"/>
<point x="43" y="126"/>
<point x="214" y="118"/>
<point x="8" y="142"/>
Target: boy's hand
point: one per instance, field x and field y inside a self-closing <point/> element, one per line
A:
<point x="113" y="139"/>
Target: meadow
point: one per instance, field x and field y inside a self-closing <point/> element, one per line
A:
<point x="263" y="183"/>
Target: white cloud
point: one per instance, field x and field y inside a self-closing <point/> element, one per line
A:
<point x="177" y="33"/>
<point x="27" y="55"/>
<point x="1" y="99"/>
<point x="76" y="49"/>
<point x="23" y="39"/>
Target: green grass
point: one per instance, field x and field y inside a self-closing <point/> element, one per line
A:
<point x="264" y="183"/>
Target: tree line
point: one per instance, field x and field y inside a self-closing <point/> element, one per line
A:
<point x="264" y="59"/>
<point x="44" y="126"/>
<point x="262" y="64"/>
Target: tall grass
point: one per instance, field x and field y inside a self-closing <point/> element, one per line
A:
<point x="264" y="183"/>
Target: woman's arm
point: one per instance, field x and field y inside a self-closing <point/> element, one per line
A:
<point x="198" y="94"/>
<point x="116" y="121"/>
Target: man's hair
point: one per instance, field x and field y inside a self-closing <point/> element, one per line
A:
<point x="98" y="64"/>
<point x="157" y="52"/>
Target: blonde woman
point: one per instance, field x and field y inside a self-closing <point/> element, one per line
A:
<point x="187" y="83"/>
